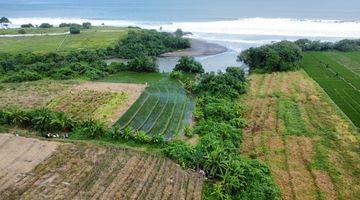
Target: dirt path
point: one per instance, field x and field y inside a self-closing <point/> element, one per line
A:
<point x="302" y="165"/>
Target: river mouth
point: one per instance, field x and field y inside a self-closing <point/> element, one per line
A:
<point x="214" y="57"/>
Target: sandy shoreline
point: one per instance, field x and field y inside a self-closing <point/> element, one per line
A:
<point x="198" y="48"/>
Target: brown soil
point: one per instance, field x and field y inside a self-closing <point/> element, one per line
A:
<point x="85" y="171"/>
<point x="19" y="155"/>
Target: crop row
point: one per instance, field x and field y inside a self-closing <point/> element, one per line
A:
<point x="161" y="109"/>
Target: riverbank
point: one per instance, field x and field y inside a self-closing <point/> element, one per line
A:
<point x="198" y="48"/>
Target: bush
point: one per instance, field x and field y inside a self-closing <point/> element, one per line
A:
<point x="180" y="152"/>
<point x="280" y="56"/>
<point x="45" y="25"/>
<point x="74" y="30"/>
<point x="86" y="25"/>
<point x="143" y="64"/>
<point x="21" y="76"/>
<point x="90" y="129"/>
<point x="189" y="65"/>
<point x="69" y="25"/>
<point x="21" y="31"/>
<point x="342" y="45"/>
<point x="27" y="26"/>
<point x="230" y="84"/>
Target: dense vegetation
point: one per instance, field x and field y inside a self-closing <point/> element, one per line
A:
<point x="30" y="67"/>
<point x="45" y="25"/>
<point x="219" y="124"/>
<point x="188" y="64"/>
<point x="280" y="56"/>
<point x="149" y="43"/>
<point x="342" y="45"/>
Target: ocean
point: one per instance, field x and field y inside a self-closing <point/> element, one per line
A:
<point x="236" y="24"/>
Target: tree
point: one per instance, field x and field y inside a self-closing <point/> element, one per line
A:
<point x="4" y="20"/>
<point x="74" y="30"/>
<point x="86" y="25"/>
<point x="45" y="25"/>
<point x="179" y="33"/>
<point x="280" y="56"/>
<point x="189" y="65"/>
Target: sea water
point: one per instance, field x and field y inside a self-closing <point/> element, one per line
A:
<point x="236" y="24"/>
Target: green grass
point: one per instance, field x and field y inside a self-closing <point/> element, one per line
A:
<point x="164" y="108"/>
<point x="338" y="74"/>
<point x="87" y="39"/>
<point x="13" y="31"/>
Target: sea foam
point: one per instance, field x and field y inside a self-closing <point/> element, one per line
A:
<point x="245" y="26"/>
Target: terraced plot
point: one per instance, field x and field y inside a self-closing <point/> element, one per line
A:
<point x="338" y="73"/>
<point x="311" y="148"/>
<point x="85" y="171"/>
<point x="164" y="108"/>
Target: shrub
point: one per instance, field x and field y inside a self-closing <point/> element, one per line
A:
<point x="229" y="84"/>
<point x="27" y="26"/>
<point x="69" y="25"/>
<point x="21" y="31"/>
<point x="74" y="30"/>
<point x="45" y="25"/>
<point x="189" y="65"/>
<point x="63" y="73"/>
<point x="90" y="129"/>
<point x="180" y="152"/>
<point x="143" y="64"/>
<point x="179" y="33"/>
<point x="86" y="25"/>
<point x="280" y="56"/>
<point x="23" y="75"/>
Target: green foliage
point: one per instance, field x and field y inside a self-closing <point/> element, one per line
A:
<point x="4" y="20"/>
<point x="21" y="31"/>
<point x="21" y="76"/>
<point x="341" y="88"/>
<point x="69" y="25"/>
<point x="280" y="56"/>
<point x="218" y="123"/>
<point x="27" y="26"/>
<point x="45" y="25"/>
<point x="74" y="30"/>
<point x="291" y="115"/>
<point x="86" y="25"/>
<point x="229" y="84"/>
<point x="342" y="45"/>
<point x="83" y="64"/>
<point x="149" y="43"/>
<point x="188" y="64"/>
<point x="142" y="63"/>
<point x="179" y="33"/>
<point x="90" y="129"/>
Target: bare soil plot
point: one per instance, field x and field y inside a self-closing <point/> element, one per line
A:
<point x="310" y="146"/>
<point x="19" y="155"/>
<point x="84" y="171"/>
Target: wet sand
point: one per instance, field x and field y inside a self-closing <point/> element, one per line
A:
<point x="198" y="48"/>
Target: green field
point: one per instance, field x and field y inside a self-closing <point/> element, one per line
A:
<point x="98" y="37"/>
<point x="163" y="108"/>
<point x="338" y="73"/>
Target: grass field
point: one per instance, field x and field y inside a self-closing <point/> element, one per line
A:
<point x="88" y="171"/>
<point x="338" y="73"/>
<point x="164" y="108"/>
<point x="97" y="37"/>
<point x="310" y="146"/>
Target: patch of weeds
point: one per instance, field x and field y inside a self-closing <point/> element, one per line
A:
<point x="289" y="112"/>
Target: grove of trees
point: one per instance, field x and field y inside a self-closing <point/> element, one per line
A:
<point x="280" y="56"/>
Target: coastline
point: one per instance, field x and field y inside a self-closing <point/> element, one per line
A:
<point x="198" y="48"/>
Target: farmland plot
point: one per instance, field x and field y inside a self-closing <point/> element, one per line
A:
<point x="164" y="108"/>
<point x="338" y="73"/>
<point x="309" y="145"/>
<point x="85" y="171"/>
